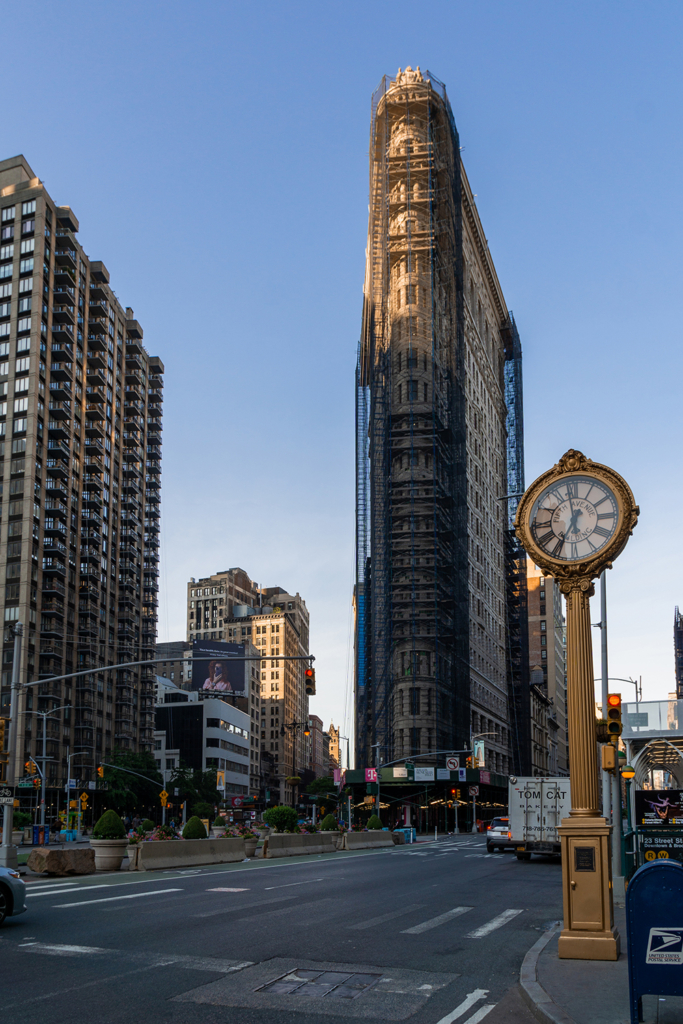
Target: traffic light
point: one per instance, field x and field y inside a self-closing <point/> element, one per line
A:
<point x="36" y="783"/>
<point x="309" y="676"/>
<point x="614" y="724"/>
<point x="469" y="762"/>
<point x="2" y="734"/>
<point x="100" y="771"/>
<point x="31" y="767"/>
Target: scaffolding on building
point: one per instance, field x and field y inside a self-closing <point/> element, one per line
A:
<point x="411" y="594"/>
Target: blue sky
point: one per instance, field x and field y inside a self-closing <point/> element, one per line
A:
<point x="216" y="155"/>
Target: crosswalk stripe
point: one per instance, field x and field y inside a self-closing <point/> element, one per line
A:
<point x="109" y="899"/>
<point x="385" y="917"/>
<point x="434" y="922"/>
<point x="467" y="1004"/>
<point x="495" y="922"/>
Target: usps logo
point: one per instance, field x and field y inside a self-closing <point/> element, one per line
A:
<point x="665" y="946"/>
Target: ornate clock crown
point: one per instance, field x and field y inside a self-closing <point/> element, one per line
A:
<point x="572" y="461"/>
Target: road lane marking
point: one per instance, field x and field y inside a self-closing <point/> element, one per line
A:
<point x="287" y="886"/>
<point x="386" y="917"/>
<point x="467" y="1004"/>
<point x="434" y="922"/>
<point x="495" y="922"/>
<point x="102" y="885"/>
<point x="54" y="948"/>
<point x="227" y="890"/>
<point x="128" y="896"/>
<point x="480" y="1014"/>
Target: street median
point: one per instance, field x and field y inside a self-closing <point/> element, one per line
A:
<point x="367" y="840"/>
<point x="285" y="845"/>
<point x="184" y="853"/>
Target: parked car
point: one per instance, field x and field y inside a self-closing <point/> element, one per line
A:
<point x="498" y="835"/>
<point x="12" y="894"/>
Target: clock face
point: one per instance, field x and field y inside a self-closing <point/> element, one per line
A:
<point x="575" y="518"/>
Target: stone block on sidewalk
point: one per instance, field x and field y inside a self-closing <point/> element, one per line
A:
<point x="62" y="862"/>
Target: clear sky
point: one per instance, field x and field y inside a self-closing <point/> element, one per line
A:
<point x="216" y="155"/>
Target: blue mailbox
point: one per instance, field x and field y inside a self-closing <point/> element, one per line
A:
<point x="654" y="923"/>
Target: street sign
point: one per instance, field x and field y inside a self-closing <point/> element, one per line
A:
<point x="474" y="790"/>
<point x="84" y="798"/>
<point x="92" y="785"/>
<point x="452" y="763"/>
<point x="6" y="795"/>
<point x="163" y="796"/>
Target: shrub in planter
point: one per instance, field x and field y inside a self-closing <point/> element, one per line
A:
<point x="329" y="823"/>
<point x="281" y="818"/>
<point x="163" y="832"/>
<point x="147" y="825"/>
<point x="219" y="822"/>
<point x="194" y="829"/>
<point x="374" y="822"/>
<point x="109" y="826"/>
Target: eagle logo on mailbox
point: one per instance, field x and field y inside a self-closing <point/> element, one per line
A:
<point x="665" y="946"/>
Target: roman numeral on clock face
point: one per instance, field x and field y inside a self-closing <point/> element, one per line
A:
<point x="557" y="549"/>
<point x="573" y="551"/>
<point x="572" y="489"/>
<point x="600" y="531"/>
<point x="605" y="515"/>
<point x="544" y="541"/>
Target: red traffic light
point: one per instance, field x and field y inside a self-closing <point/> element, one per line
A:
<point x="309" y="680"/>
<point x="614" y="700"/>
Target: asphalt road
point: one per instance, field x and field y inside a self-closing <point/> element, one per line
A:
<point x="431" y="934"/>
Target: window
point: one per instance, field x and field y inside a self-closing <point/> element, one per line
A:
<point x="542" y="625"/>
<point x="5" y="308"/>
<point x="26" y="266"/>
<point x="25" y="285"/>
<point x="28" y="207"/>
<point x="28" y="245"/>
<point x="19" y="426"/>
<point x="170" y="762"/>
<point x="6" y="252"/>
<point x="412" y="391"/>
<point x="7" y="233"/>
<point x="28" y="226"/>
<point x="23" y="365"/>
<point x="414" y="695"/>
<point x="7" y="214"/>
<point x="24" y="324"/>
<point x="5" y="270"/>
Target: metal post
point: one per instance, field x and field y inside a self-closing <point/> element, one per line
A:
<point x="348" y="810"/>
<point x="606" y="795"/>
<point x="474" y="813"/>
<point x="42" y="781"/>
<point x="8" y="853"/>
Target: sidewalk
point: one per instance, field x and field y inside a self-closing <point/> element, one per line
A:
<point x="587" y="991"/>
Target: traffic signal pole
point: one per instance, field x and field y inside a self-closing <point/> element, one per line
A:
<point x="8" y="852"/>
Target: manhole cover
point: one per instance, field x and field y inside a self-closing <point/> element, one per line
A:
<point x="317" y="984"/>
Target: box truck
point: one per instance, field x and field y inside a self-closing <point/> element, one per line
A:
<point x="536" y="806"/>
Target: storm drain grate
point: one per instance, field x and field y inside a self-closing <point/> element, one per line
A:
<point x="317" y="984"/>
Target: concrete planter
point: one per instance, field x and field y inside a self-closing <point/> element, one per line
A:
<point x="367" y="840"/>
<point x="283" y="845"/>
<point x="250" y="846"/>
<point x="109" y="853"/>
<point x="184" y="853"/>
<point x="133" y="851"/>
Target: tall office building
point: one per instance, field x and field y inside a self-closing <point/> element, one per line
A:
<point x="80" y="451"/>
<point x="433" y="431"/>
<point x="678" y="652"/>
<point x="228" y="606"/>
<point x="548" y="663"/>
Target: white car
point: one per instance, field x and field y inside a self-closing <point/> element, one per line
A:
<point x="12" y="894"/>
<point x="498" y="835"/>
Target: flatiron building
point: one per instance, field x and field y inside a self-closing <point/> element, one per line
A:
<point x="432" y="448"/>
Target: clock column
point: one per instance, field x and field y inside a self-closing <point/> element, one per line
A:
<point x="589" y="932"/>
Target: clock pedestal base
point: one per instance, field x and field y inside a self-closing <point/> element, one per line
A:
<point x="589" y="932"/>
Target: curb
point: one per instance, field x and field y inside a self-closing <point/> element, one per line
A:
<point x="535" y="996"/>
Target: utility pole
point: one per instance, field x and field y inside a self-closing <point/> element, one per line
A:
<point x="606" y="795"/>
<point x="8" y="853"/>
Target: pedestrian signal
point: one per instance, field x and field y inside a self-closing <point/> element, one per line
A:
<point x="609" y="757"/>
<point x="100" y="771"/>
<point x="309" y="676"/>
<point x="614" y="724"/>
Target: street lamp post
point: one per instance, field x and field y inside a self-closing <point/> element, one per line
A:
<point x="45" y="715"/>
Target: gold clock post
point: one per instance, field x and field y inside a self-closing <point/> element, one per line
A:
<point x="559" y="523"/>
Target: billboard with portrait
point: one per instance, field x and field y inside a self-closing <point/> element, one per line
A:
<point x="215" y="670"/>
<point x="659" y="807"/>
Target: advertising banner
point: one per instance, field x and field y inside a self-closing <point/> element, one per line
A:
<point x="659" y="807"/>
<point x="213" y="671"/>
<point x="371" y="775"/>
<point x="424" y="774"/>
